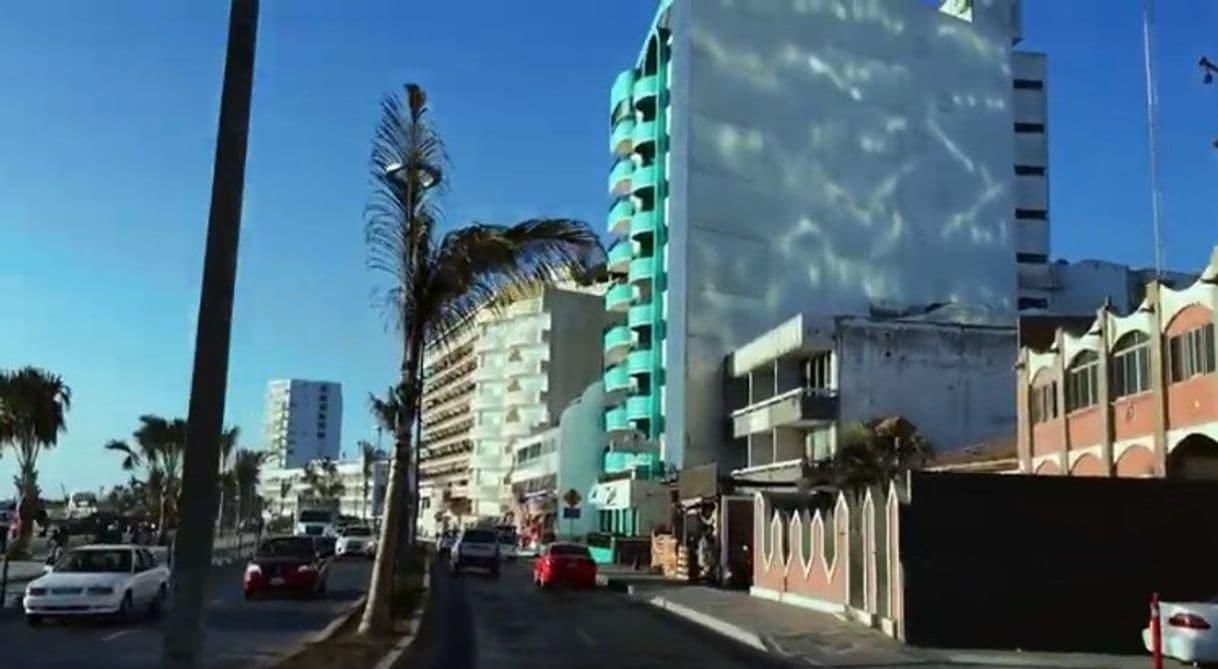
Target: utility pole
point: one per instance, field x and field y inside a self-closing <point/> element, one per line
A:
<point x="195" y="538"/>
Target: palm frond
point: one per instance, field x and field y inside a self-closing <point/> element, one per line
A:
<point x="476" y="266"/>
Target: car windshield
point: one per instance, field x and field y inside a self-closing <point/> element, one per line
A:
<point x="95" y="561"/>
<point x="570" y="550"/>
<point x="287" y="547"/>
<point x="316" y="516"/>
<point x="479" y="537"/>
<point x="358" y="532"/>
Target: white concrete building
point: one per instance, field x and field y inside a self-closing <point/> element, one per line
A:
<point x="282" y="490"/>
<point x="303" y="421"/>
<point x="866" y="157"/>
<point x="506" y="375"/>
<point x="801" y="382"/>
<point x="1077" y="287"/>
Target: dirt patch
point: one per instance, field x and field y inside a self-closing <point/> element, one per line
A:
<point x="348" y="649"/>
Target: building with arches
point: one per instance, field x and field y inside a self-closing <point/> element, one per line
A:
<point x="1133" y="395"/>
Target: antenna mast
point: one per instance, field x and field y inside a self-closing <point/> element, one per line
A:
<point x="1152" y="129"/>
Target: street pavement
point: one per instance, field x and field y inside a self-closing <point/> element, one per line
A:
<point x="238" y="633"/>
<point x="505" y="623"/>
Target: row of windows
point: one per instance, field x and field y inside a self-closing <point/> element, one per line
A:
<point x="1189" y="354"/>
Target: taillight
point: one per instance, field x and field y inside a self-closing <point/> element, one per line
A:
<point x="1190" y="621"/>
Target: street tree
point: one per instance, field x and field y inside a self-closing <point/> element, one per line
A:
<point x="437" y="281"/>
<point x="34" y="404"/>
<point x="369" y="456"/>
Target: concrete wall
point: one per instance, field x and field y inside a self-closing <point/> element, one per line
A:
<point x="581" y="440"/>
<point x="577" y="321"/>
<point x="1082" y="287"/>
<point x="828" y="154"/>
<point x="955" y="383"/>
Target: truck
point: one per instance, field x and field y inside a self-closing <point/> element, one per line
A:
<point x="317" y="521"/>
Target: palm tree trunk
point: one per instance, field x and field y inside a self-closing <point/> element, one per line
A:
<point x="27" y="511"/>
<point x="376" y="618"/>
<point x="183" y="640"/>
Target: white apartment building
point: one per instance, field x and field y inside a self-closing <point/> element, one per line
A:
<point x="505" y="375"/>
<point x="303" y="421"/>
<point x="282" y="490"/>
<point x="859" y="157"/>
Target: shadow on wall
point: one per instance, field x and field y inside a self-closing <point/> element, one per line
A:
<point x="860" y="137"/>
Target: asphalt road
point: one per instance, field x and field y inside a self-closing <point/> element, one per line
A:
<point x="506" y="623"/>
<point x="238" y="632"/>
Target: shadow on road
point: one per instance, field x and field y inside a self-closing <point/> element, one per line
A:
<point x="446" y="633"/>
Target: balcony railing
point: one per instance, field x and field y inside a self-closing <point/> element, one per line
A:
<point x="799" y="407"/>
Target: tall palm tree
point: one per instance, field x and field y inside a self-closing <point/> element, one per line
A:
<point x="247" y="468"/>
<point x="228" y="442"/>
<point x="438" y="281"/>
<point x="34" y="404"/>
<point x="325" y="483"/>
<point x="369" y="456"/>
<point x="160" y="444"/>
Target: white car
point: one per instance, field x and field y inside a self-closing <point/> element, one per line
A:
<point x="99" y="580"/>
<point x="1187" y="631"/>
<point x="476" y="548"/>
<point x="355" y="540"/>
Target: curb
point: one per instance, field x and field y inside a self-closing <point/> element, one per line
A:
<point x="312" y="637"/>
<point x="725" y="629"/>
<point x="416" y="619"/>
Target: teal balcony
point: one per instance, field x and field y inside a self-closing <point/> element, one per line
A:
<point x="616" y="380"/>
<point x="643" y="224"/>
<point x="639" y="407"/>
<point x="642" y="269"/>
<point x="641" y="178"/>
<point x="621" y="141"/>
<point x="622" y="88"/>
<point x="617" y="342"/>
<point x="616" y="421"/>
<point x="619" y="257"/>
<point x="620" y="177"/>
<point x="640" y="316"/>
<point x="642" y="361"/>
<point x="618" y="297"/>
<point x="620" y="218"/>
<point x="645" y="133"/>
<point x="646" y="89"/>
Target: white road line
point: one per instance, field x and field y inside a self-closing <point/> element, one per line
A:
<point x="114" y="635"/>
<point x="585" y="637"/>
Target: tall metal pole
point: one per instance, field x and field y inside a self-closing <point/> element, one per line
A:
<point x="195" y="539"/>
<point x="1152" y="128"/>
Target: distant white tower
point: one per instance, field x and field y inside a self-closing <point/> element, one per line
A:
<point x="303" y="421"/>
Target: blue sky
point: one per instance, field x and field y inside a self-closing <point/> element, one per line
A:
<point x="107" y="132"/>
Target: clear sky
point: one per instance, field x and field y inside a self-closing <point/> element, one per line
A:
<point x="107" y="129"/>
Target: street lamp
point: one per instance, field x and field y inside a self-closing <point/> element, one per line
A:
<point x="428" y="176"/>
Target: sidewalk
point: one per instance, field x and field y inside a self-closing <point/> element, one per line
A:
<point x="822" y="640"/>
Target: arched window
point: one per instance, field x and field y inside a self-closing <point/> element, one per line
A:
<point x="1131" y="365"/>
<point x="1082" y="381"/>
<point x="1191" y="353"/>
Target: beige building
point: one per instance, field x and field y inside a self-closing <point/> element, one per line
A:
<point x="506" y="374"/>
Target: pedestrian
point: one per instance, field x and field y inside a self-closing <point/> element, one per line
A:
<point x="708" y="557"/>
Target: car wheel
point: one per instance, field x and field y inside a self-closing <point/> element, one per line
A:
<point x="33" y="620"/>
<point x="124" y="607"/>
<point x="157" y="605"/>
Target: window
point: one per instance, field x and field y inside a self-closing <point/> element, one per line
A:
<point x="1044" y="402"/>
<point x="1082" y="381"/>
<point x="1038" y="258"/>
<point x="1131" y="365"/>
<point x="1032" y="214"/>
<point x="1192" y="353"/>
<point x="1029" y="85"/>
<point x="1029" y="127"/>
<point x="1033" y="303"/>
<point x="1029" y="171"/>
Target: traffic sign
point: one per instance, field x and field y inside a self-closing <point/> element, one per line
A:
<point x="571" y="512"/>
<point x="572" y="498"/>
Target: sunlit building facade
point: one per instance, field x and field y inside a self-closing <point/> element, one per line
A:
<point x="303" y="421"/>
<point x="844" y="158"/>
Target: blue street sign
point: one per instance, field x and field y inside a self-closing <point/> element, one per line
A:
<point x="570" y="512"/>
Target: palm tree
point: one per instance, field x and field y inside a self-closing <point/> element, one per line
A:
<point x="34" y="404"/>
<point x="247" y="469"/>
<point x="160" y="444"/>
<point x="369" y="456"/>
<point x="438" y="281"/>
<point x="877" y="452"/>
<point x="228" y="442"/>
<point x="324" y="481"/>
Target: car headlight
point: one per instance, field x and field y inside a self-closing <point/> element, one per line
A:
<point x="100" y="590"/>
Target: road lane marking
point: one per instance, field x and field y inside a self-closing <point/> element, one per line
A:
<point x="114" y="635"/>
<point x="585" y="637"/>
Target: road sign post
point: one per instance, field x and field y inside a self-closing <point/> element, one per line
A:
<point x="572" y="498"/>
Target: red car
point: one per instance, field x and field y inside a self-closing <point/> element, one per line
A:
<point x="286" y="564"/>
<point x="565" y="564"/>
